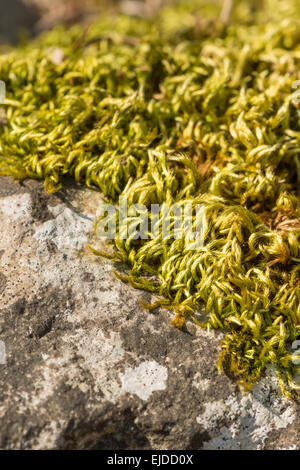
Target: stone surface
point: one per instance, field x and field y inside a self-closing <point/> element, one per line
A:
<point x="84" y="366"/>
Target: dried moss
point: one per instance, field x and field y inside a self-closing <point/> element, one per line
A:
<point x="174" y="110"/>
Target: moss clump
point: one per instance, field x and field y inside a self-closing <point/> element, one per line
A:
<point x="179" y="110"/>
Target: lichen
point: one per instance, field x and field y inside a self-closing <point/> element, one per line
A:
<point x="183" y="108"/>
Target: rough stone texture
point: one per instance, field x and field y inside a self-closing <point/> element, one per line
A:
<point x="88" y="368"/>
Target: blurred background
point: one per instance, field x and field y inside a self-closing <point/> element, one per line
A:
<point x="20" y="19"/>
<point x="30" y="17"/>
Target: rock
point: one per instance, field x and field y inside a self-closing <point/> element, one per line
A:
<point x="86" y="367"/>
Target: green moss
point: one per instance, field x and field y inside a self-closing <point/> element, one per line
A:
<point x="132" y="104"/>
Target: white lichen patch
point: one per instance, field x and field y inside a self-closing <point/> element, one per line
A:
<point x="145" y="379"/>
<point x="100" y="356"/>
<point x="244" y="420"/>
<point x="68" y="230"/>
<point x="35" y="263"/>
<point x="16" y="207"/>
<point x="111" y="296"/>
<point x="199" y="383"/>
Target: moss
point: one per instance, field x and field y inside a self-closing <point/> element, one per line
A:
<point x="176" y="110"/>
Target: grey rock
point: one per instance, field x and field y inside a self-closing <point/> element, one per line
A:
<point x="86" y="367"/>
